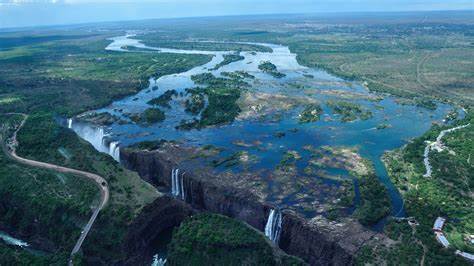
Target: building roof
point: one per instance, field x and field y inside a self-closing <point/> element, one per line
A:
<point x="466" y="255"/>
<point x="442" y="239"/>
<point x="438" y="225"/>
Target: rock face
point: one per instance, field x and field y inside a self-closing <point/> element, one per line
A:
<point x="322" y="242"/>
<point x="317" y="242"/>
<point x="200" y="192"/>
<point x="164" y="213"/>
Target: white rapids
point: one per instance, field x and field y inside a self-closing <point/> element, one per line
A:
<point x="177" y="184"/>
<point x="97" y="137"/>
<point x="158" y="261"/>
<point x="12" y="241"/>
<point x="273" y="226"/>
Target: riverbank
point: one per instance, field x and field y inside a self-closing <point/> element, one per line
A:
<point x="445" y="193"/>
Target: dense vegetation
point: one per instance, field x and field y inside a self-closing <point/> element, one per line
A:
<point x="210" y="239"/>
<point x="271" y="69"/>
<point x="45" y="208"/>
<point x="63" y="78"/>
<point x="10" y="256"/>
<point x="152" y="116"/>
<point x="228" y="59"/>
<point x="43" y="139"/>
<point x="349" y="111"/>
<point x="222" y="95"/>
<point x="238" y="75"/>
<point x="164" y="99"/>
<point x="311" y="113"/>
<point x="374" y="200"/>
<point x="195" y="102"/>
<point x="444" y="194"/>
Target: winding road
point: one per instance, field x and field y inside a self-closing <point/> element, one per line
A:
<point x="438" y="145"/>
<point x="100" y="181"/>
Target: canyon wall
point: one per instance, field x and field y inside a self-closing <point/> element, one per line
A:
<point x="164" y="213"/>
<point x="317" y="244"/>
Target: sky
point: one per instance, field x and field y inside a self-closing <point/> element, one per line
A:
<point x="22" y="13"/>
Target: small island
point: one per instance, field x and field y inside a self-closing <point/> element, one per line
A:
<point x="311" y="113"/>
<point x="271" y="69"/>
<point x="164" y="99"/>
<point x="228" y="59"/>
<point x="349" y="111"/>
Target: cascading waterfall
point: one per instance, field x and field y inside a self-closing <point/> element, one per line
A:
<point x="12" y="241"/>
<point x="177" y="184"/>
<point x="97" y="137"/>
<point x="273" y="226"/>
<point x="157" y="261"/>
<point x="114" y="150"/>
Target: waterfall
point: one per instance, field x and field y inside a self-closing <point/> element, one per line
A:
<point x="182" y="186"/>
<point x="93" y="135"/>
<point x="12" y="241"/>
<point x="157" y="261"/>
<point x="114" y="150"/>
<point x="273" y="226"/>
<point x="97" y="137"/>
<point x="174" y="173"/>
<point x="177" y="184"/>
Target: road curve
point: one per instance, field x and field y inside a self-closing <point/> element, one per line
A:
<point x="438" y="145"/>
<point x="100" y="181"/>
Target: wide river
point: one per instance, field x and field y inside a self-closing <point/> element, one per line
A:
<point x="406" y="121"/>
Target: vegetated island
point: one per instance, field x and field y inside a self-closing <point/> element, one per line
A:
<point x="271" y="69"/>
<point x="228" y="59"/>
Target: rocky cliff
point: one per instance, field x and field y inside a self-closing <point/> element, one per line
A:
<point x="319" y="242"/>
<point x="163" y="214"/>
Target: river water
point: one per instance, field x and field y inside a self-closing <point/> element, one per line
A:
<point x="9" y="240"/>
<point x="407" y="121"/>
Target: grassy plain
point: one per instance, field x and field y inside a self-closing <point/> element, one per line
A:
<point x="69" y="77"/>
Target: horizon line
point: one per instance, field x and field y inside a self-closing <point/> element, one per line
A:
<point x="230" y="15"/>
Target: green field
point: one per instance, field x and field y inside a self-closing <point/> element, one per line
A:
<point x="411" y="65"/>
<point x="69" y="77"/>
